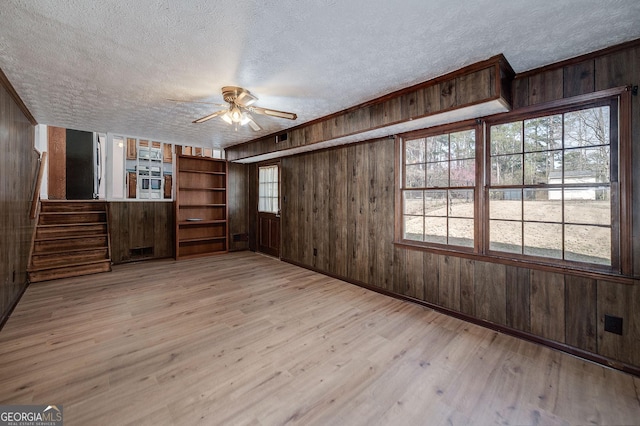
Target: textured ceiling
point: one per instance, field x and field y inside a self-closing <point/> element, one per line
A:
<point x="111" y="65"/>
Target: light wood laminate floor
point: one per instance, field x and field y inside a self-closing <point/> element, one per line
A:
<point x="246" y="339"/>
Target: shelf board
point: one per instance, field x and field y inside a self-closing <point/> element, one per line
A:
<point x="195" y="206"/>
<point x="71" y="213"/>
<point x="201" y="222"/>
<point x="201" y="239"/>
<point x="191" y="188"/>
<point x="206" y="172"/>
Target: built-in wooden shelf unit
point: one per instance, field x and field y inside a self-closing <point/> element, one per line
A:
<point x="201" y="206"/>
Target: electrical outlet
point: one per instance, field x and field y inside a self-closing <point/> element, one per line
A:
<point x="613" y="324"/>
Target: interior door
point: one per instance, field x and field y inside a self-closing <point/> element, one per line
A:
<point x="268" y="228"/>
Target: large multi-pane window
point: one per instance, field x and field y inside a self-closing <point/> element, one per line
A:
<point x="438" y="188"/>
<point x="547" y="184"/>
<point x="550" y="186"/>
<point x="268" y="198"/>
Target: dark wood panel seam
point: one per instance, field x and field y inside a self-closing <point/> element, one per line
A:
<point x="579" y="353"/>
<point x="4" y="81"/>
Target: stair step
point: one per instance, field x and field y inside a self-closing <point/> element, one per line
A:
<point x="71" y="240"/>
<point x="71" y="206"/>
<point x="79" y="229"/>
<point x="49" y="260"/>
<point x="69" y="271"/>
<point x="68" y="236"/>
<point x="72" y="218"/>
<point x="70" y="244"/>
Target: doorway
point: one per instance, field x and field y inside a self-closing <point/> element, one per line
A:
<point x="79" y="165"/>
<point x="74" y="164"/>
<point x="268" y="226"/>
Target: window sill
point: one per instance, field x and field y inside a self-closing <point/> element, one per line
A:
<point x="596" y="274"/>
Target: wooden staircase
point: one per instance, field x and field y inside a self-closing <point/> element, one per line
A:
<point x="71" y="239"/>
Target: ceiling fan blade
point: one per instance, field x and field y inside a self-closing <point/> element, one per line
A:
<point x="209" y="117"/>
<point x="274" y="113"/>
<point x="245" y="99"/>
<point x="252" y="123"/>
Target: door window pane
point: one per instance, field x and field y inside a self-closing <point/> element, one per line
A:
<point x="268" y="197"/>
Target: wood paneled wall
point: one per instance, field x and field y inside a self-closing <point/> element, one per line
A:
<point x="137" y="225"/>
<point x="237" y="205"/>
<point x="340" y="202"/>
<point x="18" y="168"/>
<point x="484" y="81"/>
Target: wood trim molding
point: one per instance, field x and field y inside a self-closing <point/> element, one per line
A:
<point x="4" y="81"/>
<point x="625" y="170"/>
<point x="580" y="353"/>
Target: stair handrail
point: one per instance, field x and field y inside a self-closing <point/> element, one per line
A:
<point x="36" y="191"/>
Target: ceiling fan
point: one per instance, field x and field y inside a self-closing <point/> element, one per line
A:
<point x="241" y="105"/>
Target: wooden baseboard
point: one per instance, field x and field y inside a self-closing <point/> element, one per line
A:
<point x="580" y="353"/>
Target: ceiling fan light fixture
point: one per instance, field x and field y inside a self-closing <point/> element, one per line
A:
<point x="240" y="104"/>
<point x="236" y="114"/>
<point x="227" y="117"/>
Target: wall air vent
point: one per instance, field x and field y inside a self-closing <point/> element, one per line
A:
<point x="281" y="137"/>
